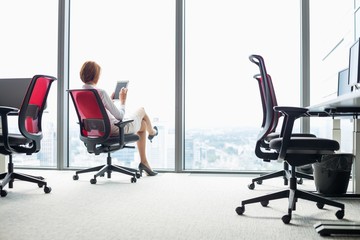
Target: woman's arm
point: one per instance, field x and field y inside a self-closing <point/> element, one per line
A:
<point x="118" y="113"/>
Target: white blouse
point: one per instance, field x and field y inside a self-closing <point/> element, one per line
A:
<point x="115" y="113"/>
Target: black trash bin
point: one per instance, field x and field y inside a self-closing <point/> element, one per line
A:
<point x="332" y="173"/>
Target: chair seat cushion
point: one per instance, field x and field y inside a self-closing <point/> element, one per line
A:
<point x="15" y="140"/>
<point x="303" y="144"/>
<point x="129" y="138"/>
<point x="273" y="135"/>
<point x="302" y="150"/>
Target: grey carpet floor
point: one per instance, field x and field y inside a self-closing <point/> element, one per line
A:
<point x="168" y="206"/>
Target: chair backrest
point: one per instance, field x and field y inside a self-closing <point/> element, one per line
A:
<point x="32" y="108"/>
<point x="263" y="77"/>
<point x="93" y="119"/>
<point x="268" y="104"/>
<point x="270" y="117"/>
<point x="262" y="96"/>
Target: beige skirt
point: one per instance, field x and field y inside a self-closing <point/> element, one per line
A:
<point x="132" y="127"/>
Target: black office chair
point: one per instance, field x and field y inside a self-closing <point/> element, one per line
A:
<point x="28" y="141"/>
<point x="285" y="172"/>
<point x="296" y="151"/>
<point x="95" y="128"/>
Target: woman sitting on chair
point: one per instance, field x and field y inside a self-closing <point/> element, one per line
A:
<point x="90" y="74"/>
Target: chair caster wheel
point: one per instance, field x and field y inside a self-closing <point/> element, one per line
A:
<point x="286" y="219"/>
<point x="3" y="193"/>
<point x="40" y="185"/>
<point x="320" y="205"/>
<point x="133" y="180"/>
<point x="240" y="210"/>
<point x="264" y="203"/>
<point x="251" y="186"/>
<point x="47" y="189"/>
<point x="259" y="182"/>
<point x="300" y="181"/>
<point x="138" y="175"/>
<point x="76" y="177"/>
<point x="340" y="214"/>
<point x="93" y="181"/>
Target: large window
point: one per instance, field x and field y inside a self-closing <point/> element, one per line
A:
<point x="222" y="101"/>
<point x="135" y="41"/>
<point x="28" y="46"/>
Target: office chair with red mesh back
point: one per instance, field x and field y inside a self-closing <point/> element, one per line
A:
<point x="296" y="151"/>
<point x="28" y="141"/>
<point x="259" y="61"/>
<point x="95" y="129"/>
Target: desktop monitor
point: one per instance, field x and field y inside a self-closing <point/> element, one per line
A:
<point x="343" y="82"/>
<point x="354" y="77"/>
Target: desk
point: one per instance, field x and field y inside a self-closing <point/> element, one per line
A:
<point x="347" y="105"/>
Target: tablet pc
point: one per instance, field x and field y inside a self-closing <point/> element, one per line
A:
<point x="119" y="85"/>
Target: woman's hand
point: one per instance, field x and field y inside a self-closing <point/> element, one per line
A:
<point x="122" y="95"/>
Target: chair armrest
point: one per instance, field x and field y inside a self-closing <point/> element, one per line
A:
<point x="4" y="112"/>
<point x="290" y="115"/>
<point x="292" y="111"/>
<point x="121" y="126"/>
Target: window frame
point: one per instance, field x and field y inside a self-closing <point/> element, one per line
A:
<point x="63" y="76"/>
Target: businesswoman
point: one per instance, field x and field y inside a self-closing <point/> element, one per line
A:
<point x="90" y="75"/>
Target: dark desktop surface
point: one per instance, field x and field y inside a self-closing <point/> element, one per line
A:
<point x="12" y="91"/>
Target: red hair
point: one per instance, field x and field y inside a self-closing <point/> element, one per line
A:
<point x="90" y="72"/>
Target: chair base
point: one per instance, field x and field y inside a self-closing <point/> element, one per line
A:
<point x="9" y="177"/>
<point x="109" y="168"/>
<point x="293" y="194"/>
<point x="285" y="173"/>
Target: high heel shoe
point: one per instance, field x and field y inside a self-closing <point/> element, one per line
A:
<point x="150" y="137"/>
<point x="149" y="172"/>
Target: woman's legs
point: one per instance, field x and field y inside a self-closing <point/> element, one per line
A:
<point x="143" y="115"/>
<point x="145" y="127"/>
<point x="141" y="144"/>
